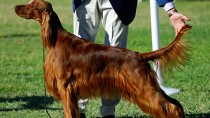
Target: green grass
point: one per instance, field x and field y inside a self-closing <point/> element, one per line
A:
<point x="21" y="63"/>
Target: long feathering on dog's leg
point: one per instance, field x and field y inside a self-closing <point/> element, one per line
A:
<point x="173" y="55"/>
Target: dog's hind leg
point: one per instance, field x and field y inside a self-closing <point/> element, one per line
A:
<point x="69" y="101"/>
<point x="152" y="100"/>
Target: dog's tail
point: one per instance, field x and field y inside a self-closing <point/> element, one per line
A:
<point x="174" y="54"/>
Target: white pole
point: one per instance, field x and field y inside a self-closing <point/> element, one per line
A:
<point x="156" y="44"/>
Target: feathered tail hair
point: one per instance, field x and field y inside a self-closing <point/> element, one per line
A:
<point x="173" y="55"/>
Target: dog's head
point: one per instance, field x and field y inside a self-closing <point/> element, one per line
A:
<point x="34" y="9"/>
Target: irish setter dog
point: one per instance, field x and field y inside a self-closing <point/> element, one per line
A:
<point x="77" y="68"/>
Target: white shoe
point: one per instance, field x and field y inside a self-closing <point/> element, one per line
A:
<point x="169" y="91"/>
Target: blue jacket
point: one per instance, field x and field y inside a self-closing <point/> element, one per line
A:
<point x="125" y="9"/>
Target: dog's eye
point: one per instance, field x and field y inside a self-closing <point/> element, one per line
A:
<point x="33" y="6"/>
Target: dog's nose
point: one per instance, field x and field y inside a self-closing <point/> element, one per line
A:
<point x="16" y="7"/>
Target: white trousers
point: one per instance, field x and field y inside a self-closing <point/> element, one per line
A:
<point x="87" y="20"/>
<point x="86" y="23"/>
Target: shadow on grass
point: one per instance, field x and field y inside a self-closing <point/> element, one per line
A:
<point x="143" y="116"/>
<point x="29" y="102"/>
<point x="18" y="35"/>
<point x="40" y="103"/>
<point x="202" y="115"/>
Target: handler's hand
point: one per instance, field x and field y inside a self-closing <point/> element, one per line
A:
<point x="177" y="20"/>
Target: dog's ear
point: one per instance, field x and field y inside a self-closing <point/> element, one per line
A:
<point x="50" y="24"/>
<point x="46" y="28"/>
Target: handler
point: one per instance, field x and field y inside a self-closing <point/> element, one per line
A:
<point x="116" y="16"/>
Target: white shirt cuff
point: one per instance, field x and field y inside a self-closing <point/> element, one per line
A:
<point x="168" y="6"/>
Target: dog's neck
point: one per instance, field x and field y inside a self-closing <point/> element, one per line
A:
<point x="50" y="26"/>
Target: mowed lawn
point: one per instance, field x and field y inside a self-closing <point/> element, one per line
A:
<point x="21" y="61"/>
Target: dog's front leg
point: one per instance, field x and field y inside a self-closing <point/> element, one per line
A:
<point x="69" y="101"/>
